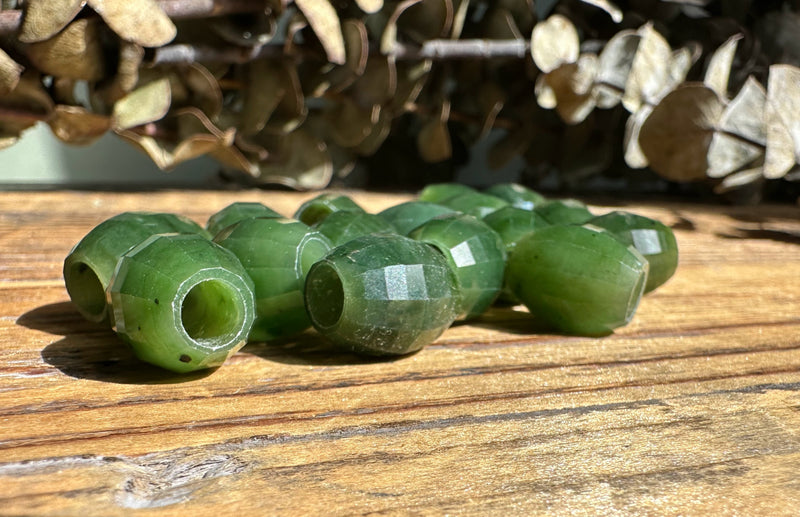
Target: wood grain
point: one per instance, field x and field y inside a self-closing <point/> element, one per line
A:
<point x="693" y="409"/>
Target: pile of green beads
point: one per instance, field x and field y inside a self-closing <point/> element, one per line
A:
<point x="186" y="298"/>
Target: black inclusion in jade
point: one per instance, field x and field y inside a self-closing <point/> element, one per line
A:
<point x="341" y="227"/>
<point x="89" y="266"/>
<point x="316" y="209"/>
<point x="476" y="204"/>
<point x="476" y="255"/>
<point x="580" y="279"/>
<point x="381" y="295"/>
<point x="653" y="239"/>
<point x="517" y="195"/>
<point x="236" y="212"/>
<point x="277" y="254"/>
<point x="183" y="302"/>
<point x="407" y="216"/>
<point x="564" y="211"/>
<point x="437" y="192"/>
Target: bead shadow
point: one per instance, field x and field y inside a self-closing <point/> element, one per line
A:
<point x="511" y="320"/>
<point x="92" y="351"/>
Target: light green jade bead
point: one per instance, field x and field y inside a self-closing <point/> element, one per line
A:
<point x="277" y="254"/>
<point x="183" y="302"/>
<point x="381" y="295"/>
<point x="580" y="279"/>
<point x="236" y="212"/>
<point x="341" y="227"/>
<point x="315" y="210"/>
<point x="518" y="195"/>
<point x="89" y="266"/>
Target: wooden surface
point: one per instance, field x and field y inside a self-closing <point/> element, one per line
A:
<point x="693" y="409"/>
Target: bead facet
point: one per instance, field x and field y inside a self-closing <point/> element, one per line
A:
<point x="89" y="266"/>
<point x="341" y="227"/>
<point x="276" y="254"/>
<point x="236" y="212"/>
<point x="564" y="211"/>
<point x="653" y="239"/>
<point x="517" y="195"/>
<point x="182" y="302"/>
<point x="476" y="204"/>
<point x="580" y="279"/>
<point x="476" y="255"/>
<point x="381" y="295"/>
<point x="315" y="210"/>
<point x="407" y="216"/>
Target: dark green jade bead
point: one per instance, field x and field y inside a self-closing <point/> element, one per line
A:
<point x="236" y="212"/>
<point x="407" y="216"/>
<point x="564" y="211"/>
<point x="316" y="209"/>
<point x="381" y="295"/>
<point x="90" y="265"/>
<point x="476" y="255"/>
<point x="476" y="204"/>
<point x="437" y="192"/>
<point x="517" y="195"/>
<point x="653" y="239"/>
<point x="182" y="302"/>
<point x="580" y="279"/>
<point x="277" y="254"/>
<point x="341" y="227"/>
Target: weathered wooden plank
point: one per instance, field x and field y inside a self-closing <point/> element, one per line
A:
<point x="692" y="409"/>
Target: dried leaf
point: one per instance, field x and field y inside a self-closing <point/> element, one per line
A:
<point x="350" y="124"/>
<point x="510" y="146"/>
<point x="26" y="105"/>
<point x="145" y="104"/>
<point x="740" y="179"/>
<point x="491" y="99"/>
<point x="139" y="21"/>
<point x="265" y="89"/>
<point x="728" y="153"/>
<point x="433" y="140"/>
<point x="554" y="42"/>
<point x="44" y="18"/>
<point x="299" y="160"/>
<point x="616" y="60"/>
<point x="356" y="43"/>
<point x="569" y="89"/>
<point x="148" y="145"/>
<point x="291" y="111"/>
<point x="461" y="8"/>
<point x="650" y="70"/>
<point x="205" y="91"/>
<point x="254" y="30"/>
<point x="634" y="156"/>
<point x="611" y="9"/>
<point x="10" y="72"/>
<point x="676" y="136"/>
<point x="426" y="20"/>
<point x="783" y="120"/>
<point x="379" y="82"/>
<point x="324" y="22"/>
<point x="370" y="6"/>
<point x="74" y="53"/>
<point x="380" y="130"/>
<point x="130" y="58"/>
<point x="77" y="125"/>
<point x="389" y="34"/>
<point x="719" y="67"/>
<point x="411" y="77"/>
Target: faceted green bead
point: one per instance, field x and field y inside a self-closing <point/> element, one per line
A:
<point x="437" y="192"/>
<point x="317" y="209"/>
<point x="236" y="212"/>
<point x="653" y="239"/>
<point x="517" y="195"/>
<point x="564" y="211"/>
<point x="407" y="216"/>
<point x="474" y="203"/>
<point x="381" y="295"/>
<point x="476" y="255"/>
<point x="182" y="302"/>
<point x="580" y="279"/>
<point x="341" y="227"/>
<point x="277" y="254"/>
<point x="90" y="265"/>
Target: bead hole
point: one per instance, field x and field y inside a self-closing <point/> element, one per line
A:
<point x="86" y="290"/>
<point x="324" y="295"/>
<point x="210" y="310"/>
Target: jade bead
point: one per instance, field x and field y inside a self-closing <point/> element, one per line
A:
<point x="277" y="254"/>
<point x="90" y="265"/>
<point x="182" y="302"/>
<point x="316" y="209"/>
<point x="341" y="227"/>
<point x="236" y="212"/>
<point x="437" y="192"/>
<point x="517" y="195"/>
<point x="653" y="239"/>
<point x="580" y="279"/>
<point x="564" y="211"/>
<point x="381" y="295"/>
<point x="474" y="203"/>
<point x="475" y="253"/>
<point x="407" y="216"/>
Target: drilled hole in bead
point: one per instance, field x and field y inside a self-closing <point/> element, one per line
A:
<point x="324" y="295"/>
<point x="86" y="290"/>
<point x="210" y="310"/>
